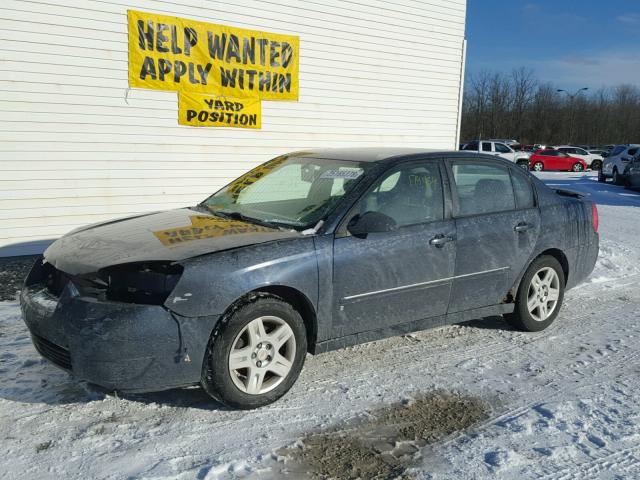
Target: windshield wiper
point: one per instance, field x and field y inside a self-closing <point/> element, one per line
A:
<point x="244" y="218"/>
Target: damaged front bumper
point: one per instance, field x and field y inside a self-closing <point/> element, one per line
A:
<point x="116" y="345"/>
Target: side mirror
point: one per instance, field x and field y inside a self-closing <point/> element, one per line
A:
<point x="371" y="222"/>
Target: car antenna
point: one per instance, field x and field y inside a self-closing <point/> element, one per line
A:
<point x="314" y="230"/>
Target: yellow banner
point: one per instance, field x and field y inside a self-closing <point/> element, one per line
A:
<point x="170" y="53"/>
<point x="203" y="227"/>
<point x="198" y="110"/>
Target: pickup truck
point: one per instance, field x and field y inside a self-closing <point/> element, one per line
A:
<point x="498" y="149"/>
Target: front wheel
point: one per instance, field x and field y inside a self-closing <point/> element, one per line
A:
<point x="596" y="165"/>
<point x="256" y="355"/>
<point x="616" y="179"/>
<point x="523" y="164"/>
<point x="539" y="296"/>
<point x="577" y="167"/>
<point x="538" y="166"/>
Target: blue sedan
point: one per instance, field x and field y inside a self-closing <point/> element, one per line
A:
<point x="309" y="252"/>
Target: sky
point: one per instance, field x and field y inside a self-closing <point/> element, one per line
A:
<point x="572" y="43"/>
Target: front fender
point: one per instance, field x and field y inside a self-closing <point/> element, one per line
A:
<point x="211" y="283"/>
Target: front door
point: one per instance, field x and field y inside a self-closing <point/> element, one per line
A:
<point x="497" y="225"/>
<point x="396" y="277"/>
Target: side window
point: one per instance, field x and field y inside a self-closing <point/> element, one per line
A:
<point x="579" y="151"/>
<point x="632" y="151"/>
<point x="500" y="147"/>
<point x="482" y="188"/>
<point x="486" y="146"/>
<point x="523" y="191"/>
<point x="471" y="146"/>
<point x="410" y="195"/>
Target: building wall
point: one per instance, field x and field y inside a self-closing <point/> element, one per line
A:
<point x="77" y="146"/>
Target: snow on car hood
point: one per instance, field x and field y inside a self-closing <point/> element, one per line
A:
<point x="170" y="235"/>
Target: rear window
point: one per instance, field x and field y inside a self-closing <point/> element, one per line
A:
<point x="482" y="188"/>
<point x="618" y="150"/>
<point x="523" y="191"/>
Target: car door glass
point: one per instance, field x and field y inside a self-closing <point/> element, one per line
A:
<point x="482" y="188"/>
<point x="523" y="191"/>
<point x="632" y="151"/>
<point x="471" y="146"/>
<point x="486" y="146"/>
<point x="502" y="148"/>
<point x="410" y="196"/>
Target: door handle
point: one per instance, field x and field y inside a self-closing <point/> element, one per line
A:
<point x="522" y="227"/>
<point x="440" y="240"/>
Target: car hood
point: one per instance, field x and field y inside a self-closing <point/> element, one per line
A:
<point x="171" y="235"/>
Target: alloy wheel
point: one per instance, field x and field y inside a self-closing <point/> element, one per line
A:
<point x="262" y="355"/>
<point x="544" y="292"/>
<point x="538" y="166"/>
<point x="577" y="167"/>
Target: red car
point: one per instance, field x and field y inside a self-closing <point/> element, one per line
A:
<point x="550" y="159"/>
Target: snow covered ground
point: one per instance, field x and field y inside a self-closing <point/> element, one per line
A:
<point x="561" y="404"/>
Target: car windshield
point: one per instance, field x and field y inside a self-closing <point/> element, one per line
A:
<point x="288" y="191"/>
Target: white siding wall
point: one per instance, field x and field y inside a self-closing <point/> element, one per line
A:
<point x="76" y="146"/>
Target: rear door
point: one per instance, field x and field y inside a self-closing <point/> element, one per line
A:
<point x="395" y="277"/>
<point x="497" y="225"/>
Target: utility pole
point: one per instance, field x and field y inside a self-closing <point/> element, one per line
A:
<point x="572" y="98"/>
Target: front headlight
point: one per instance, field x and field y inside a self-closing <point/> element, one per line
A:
<point x="147" y="283"/>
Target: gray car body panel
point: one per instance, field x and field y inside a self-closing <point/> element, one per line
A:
<point x="153" y="347"/>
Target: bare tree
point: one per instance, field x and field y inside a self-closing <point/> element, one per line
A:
<point x="519" y="106"/>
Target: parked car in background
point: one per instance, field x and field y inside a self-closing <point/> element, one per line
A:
<point x="499" y="149"/>
<point x="615" y="163"/>
<point x="232" y="293"/>
<point x="593" y="161"/>
<point x="601" y="153"/>
<point x="632" y="172"/>
<point x="551" y="159"/>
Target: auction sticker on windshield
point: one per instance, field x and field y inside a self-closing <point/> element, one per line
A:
<point x="346" y="173"/>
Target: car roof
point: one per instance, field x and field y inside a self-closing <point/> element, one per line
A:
<point x="392" y="155"/>
<point x="367" y="154"/>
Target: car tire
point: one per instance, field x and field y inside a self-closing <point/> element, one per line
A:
<point x="538" y="166"/>
<point x="596" y="165"/>
<point x="252" y="330"/>
<point x="577" y="167"/>
<point x="616" y="177"/>
<point x="533" y="310"/>
<point x="523" y="164"/>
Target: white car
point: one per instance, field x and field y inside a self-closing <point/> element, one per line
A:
<point x="615" y="163"/>
<point x="594" y="161"/>
<point x="498" y="149"/>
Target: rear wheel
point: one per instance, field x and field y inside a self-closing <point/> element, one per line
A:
<point x="538" y="166"/>
<point x="523" y="164"/>
<point x="596" y="165"/>
<point x="539" y="296"/>
<point x="255" y="357"/>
